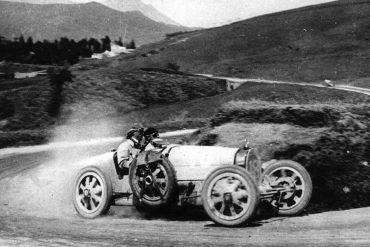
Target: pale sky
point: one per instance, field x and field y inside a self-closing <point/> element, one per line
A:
<point x="208" y="13"/>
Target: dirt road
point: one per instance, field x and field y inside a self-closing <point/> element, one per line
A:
<point x="337" y="87"/>
<point x="348" y="228"/>
<point x="38" y="221"/>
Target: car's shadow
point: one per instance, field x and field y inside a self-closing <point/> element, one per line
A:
<point x="264" y="215"/>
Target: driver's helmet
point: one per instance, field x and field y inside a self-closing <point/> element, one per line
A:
<point x="132" y="131"/>
<point x="151" y="132"/>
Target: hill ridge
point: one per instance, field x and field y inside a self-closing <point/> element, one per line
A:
<point x="314" y="43"/>
<point x="146" y="9"/>
<point x="90" y="20"/>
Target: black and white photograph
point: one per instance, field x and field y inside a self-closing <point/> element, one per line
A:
<point x="184" y="123"/>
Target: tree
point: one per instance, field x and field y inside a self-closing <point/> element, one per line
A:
<point x="131" y="45"/>
<point x="106" y="43"/>
<point x="47" y="52"/>
<point x="119" y="42"/>
<point x="95" y="45"/>
<point x="21" y="40"/>
<point x="173" y="66"/>
<point x="30" y="41"/>
<point x="83" y="49"/>
<point x="7" y="108"/>
<point x="57" y="79"/>
<point x="29" y="44"/>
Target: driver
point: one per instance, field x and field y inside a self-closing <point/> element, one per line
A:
<point x="130" y="148"/>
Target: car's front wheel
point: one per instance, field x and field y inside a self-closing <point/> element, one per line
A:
<point x="92" y="192"/>
<point x="230" y="196"/>
<point x="295" y="180"/>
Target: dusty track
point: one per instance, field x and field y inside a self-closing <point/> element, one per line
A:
<point x="125" y="227"/>
<point x="338" y="87"/>
<point x="346" y="228"/>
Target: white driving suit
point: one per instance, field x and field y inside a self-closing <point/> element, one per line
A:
<point x="126" y="152"/>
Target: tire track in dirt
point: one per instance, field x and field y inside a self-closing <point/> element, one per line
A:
<point x="346" y="228"/>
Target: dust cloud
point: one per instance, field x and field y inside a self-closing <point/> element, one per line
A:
<point x="46" y="189"/>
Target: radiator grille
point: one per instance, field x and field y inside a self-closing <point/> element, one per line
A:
<point x="253" y="163"/>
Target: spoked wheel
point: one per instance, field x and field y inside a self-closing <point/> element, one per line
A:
<point x="291" y="176"/>
<point x="153" y="184"/>
<point x="92" y="192"/>
<point x="230" y="196"/>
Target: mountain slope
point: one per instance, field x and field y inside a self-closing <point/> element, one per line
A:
<point x="137" y="5"/>
<point x="77" y="21"/>
<point x="43" y="1"/>
<point x="120" y="5"/>
<point x="327" y="41"/>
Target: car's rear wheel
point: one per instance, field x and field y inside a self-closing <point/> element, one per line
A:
<point x="92" y="192"/>
<point x="229" y="195"/>
<point x="295" y="179"/>
<point x="153" y="185"/>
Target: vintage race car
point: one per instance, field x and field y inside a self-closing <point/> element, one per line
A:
<point x="229" y="182"/>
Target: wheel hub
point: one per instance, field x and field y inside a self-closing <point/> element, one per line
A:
<point x="87" y="193"/>
<point x="288" y="183"/>
<point x="148" y="180"/>
<point x="228" y="199"/>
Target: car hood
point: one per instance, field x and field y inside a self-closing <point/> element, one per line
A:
<point x="197" y="162"/>
<point x="190" y="162"/>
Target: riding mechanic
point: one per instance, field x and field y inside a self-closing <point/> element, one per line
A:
<point x="129" y="149"/>
<point x="150" y="134"/>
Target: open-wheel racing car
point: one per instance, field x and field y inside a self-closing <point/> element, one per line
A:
<point x="229" y="182"/>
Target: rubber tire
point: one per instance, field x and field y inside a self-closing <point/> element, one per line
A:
<point x="251" y="186"/>
<point x="299" y="208"/>
<point x="168" y="197"/>
<point x="107" y="196"/>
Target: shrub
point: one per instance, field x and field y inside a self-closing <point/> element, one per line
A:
<point x="173" y="66"/>
<point x="208" y="140"/>
<point x="21" y="138"/>
<point x="302" y="115"/>
<point x="6" y="109"/>
<point x="337" y="160"/>
<point x="131" y="45"/>
<point x="337" y="163"/>
<point x="57" y="78"/>
<point x="159" y="88"/>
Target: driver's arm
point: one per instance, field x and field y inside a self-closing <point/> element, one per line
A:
<point x="123" y="154"/>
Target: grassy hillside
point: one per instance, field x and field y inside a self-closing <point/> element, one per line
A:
<point x="93" y="95"/>
<point x="166" y="100"/>
<point x="327" y="41"/>
<point x="102" y="92"/>
<point x="78" y="21"/>
<point x="198" y="112"/>
<point x="255" y="93"/>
